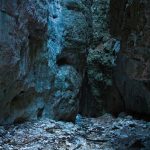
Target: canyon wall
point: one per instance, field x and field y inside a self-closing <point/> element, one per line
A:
<point x="131" y="74"/>
<point x="60" y="58"/>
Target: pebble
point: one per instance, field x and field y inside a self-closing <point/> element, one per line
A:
<point x="103" y="133"/>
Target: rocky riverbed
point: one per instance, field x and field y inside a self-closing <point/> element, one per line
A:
<point x="103" y="133"/>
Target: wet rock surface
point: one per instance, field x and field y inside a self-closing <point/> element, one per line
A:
<point x="105" y="133"/>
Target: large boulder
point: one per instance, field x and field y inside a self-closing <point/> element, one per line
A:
<point x="65" y="99"/>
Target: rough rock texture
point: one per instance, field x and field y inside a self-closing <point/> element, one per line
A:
<point x="61" y="57"/>
<point x="103" y="133"/>
<point x="101" y="60"/>
<point x="132" y="71"/>
<point x="125" y="64"/>
<point x="38" y="40"/>
<point x="66" y="88"/>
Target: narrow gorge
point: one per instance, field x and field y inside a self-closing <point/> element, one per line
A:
<point x="78" y="64"/>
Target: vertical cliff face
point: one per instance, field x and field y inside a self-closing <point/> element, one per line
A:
<point x="132" y="71"/>
<point x="58" y="58"/>
<point x="101" y="60"/>
<point x="118" y="58"/>
<point x="43" y="46"/>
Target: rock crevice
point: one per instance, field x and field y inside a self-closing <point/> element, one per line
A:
<point x="58" y="58"/>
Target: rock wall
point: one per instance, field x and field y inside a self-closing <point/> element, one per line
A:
<point x="58" y="58"/>
<point x="118" y="58"/>
<point x="132" y="71"/>
<point x="42" y="56"/>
